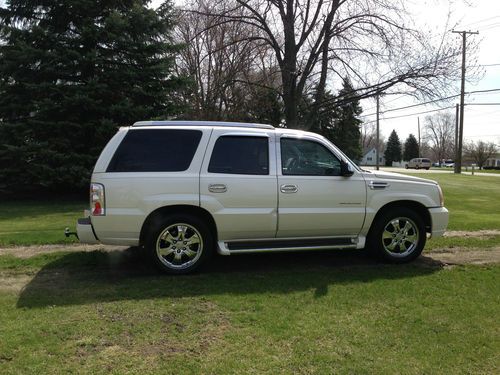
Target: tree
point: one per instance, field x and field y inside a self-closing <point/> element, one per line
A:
<point x="411" y="148"/>
<point x="229" y="80"/>
<point x="70" y="75"/>
<point x="344" y="130"/>
<point x="480" y="151"/>
<point x="393" y="149"/>
<point x="373" y="43"/>
<point x="439" y="132"/>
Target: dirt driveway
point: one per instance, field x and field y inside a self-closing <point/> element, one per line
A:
<point x="448" y="256"/>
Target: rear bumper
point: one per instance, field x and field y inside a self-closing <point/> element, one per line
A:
<point x="85" y="231"/>
<point x="439" y="220"/>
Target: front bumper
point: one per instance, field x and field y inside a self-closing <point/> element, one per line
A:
<point x="439" y="221"/>
<point x="85" y="231"/>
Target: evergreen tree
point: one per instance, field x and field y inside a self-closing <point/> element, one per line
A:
<point x="411" y="148"/>
<point x="393" y="149"/>
<point x="341" y="124"/>
<point x="71" y="73"/>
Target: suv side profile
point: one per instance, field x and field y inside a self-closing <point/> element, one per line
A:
<point x="418" y="163"/>
<point x="184" y="189"/>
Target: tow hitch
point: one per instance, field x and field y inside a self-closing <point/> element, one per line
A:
<point x="67" y="233"/>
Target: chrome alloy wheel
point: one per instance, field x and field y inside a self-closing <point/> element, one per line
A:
<point x="179" y="246"/>
<point x="400" y="237"/>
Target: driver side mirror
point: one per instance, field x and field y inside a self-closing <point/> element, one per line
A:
<point x="345" y="169"/>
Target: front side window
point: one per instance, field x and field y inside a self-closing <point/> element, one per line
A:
<point x="240" y="155"/>
<point x="155" y="150"/>
<point x="300" y="157"/>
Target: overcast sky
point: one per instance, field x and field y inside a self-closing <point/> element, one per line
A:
<point x="481" y="121"/>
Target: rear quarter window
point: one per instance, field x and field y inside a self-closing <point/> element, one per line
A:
<point x="155" y="150"/>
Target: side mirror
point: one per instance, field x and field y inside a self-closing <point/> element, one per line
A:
<point x="346" y="169"/>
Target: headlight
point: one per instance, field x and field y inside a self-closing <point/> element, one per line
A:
<point x="441" y="196"/>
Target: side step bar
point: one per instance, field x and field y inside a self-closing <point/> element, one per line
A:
<point x="295" y="244"/>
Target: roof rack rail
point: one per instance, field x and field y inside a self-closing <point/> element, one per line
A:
<point x="202" y="123"/>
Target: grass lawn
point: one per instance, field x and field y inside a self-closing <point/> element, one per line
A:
<point x="473" y="201"/>
<point x="322" y="312"/>
<point x="333" y="312"/>
<point x="28" y="222"/>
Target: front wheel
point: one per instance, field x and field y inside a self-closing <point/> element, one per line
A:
<point x="179" y="244"/>
<point x="397" y="236"/>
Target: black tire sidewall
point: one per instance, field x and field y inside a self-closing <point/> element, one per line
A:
<point x="160" y="225"/>
<point x="374" y="241"/>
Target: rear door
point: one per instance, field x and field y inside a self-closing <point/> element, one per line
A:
<point x="314" y="199"/>
<point x="238" y="183"/>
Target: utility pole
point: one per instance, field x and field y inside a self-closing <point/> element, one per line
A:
<point x="456" y="170"/>
<point x="458" y="160"/>
<point x="418" y="121"/>
<point x="377" y="146"/>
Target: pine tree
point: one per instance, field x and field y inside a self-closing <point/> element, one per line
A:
<point x="71" y="73"/>
<point x="341" y="124"/>
<point x="411" y="148"/>
<point x="393" y="149"/>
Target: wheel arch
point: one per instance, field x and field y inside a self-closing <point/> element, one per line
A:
<point x="419" y="208"/>
<point x="161" y="212"/>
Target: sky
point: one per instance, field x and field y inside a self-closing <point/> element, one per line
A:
<point x="481" y="122"/>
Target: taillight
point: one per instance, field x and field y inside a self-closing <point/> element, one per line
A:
<point x="97" y="205"/>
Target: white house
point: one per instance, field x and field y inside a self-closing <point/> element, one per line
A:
<point x="370" y="158"/>
<point x="493" y="161"/>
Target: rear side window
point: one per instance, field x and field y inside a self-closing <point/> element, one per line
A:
<point x="155" y="150"/>
<point x="240" y="155"/>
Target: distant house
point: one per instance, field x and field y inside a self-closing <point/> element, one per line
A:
<point x="493" y="161"/>
<point x="370" y="158"/>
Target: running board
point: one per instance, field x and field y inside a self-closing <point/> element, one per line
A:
<point x="295" y="244"/>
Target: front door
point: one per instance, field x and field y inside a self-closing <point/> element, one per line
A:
<point x="314" y="199"/>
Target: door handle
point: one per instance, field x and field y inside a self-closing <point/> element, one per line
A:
<point x="217" y="188"/>
<point x="288" y="188"/>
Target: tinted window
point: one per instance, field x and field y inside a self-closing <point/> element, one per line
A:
<point x="307" y="158"/>
<point x="240" y="155"/>
<point x="155" y="150"/>
<point x="426" y="160"/>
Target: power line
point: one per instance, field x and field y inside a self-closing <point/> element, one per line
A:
<point x="482" y="103"/>
<point x="433" y="101"/>
<point x="480" y="21"/>
<point x="412" y="114"/>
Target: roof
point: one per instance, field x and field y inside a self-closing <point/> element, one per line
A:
<point x="202" y="123"/>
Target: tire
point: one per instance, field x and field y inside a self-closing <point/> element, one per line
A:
<point x="179" y="244"/>
<point x="427" y="168"/>
<point x="397" y="236"/>
<point x="417" y="167"/>
<point x="406" y="166"/>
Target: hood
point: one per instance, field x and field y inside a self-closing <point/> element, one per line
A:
<point x="396" y="176"/>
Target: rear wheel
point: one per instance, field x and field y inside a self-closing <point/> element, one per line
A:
<point x="179" y="244"/>
<point x="397" y="236"/>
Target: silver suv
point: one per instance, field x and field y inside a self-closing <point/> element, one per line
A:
<point x="184" y="189"/>
<point x="418" y="163"/>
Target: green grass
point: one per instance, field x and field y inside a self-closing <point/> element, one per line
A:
<point x="473" y="201"/>
<point x="43" y="222"/>
<point x="334" y="312"/>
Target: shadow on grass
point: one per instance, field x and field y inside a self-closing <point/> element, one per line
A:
<point x="98" y="276"/>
